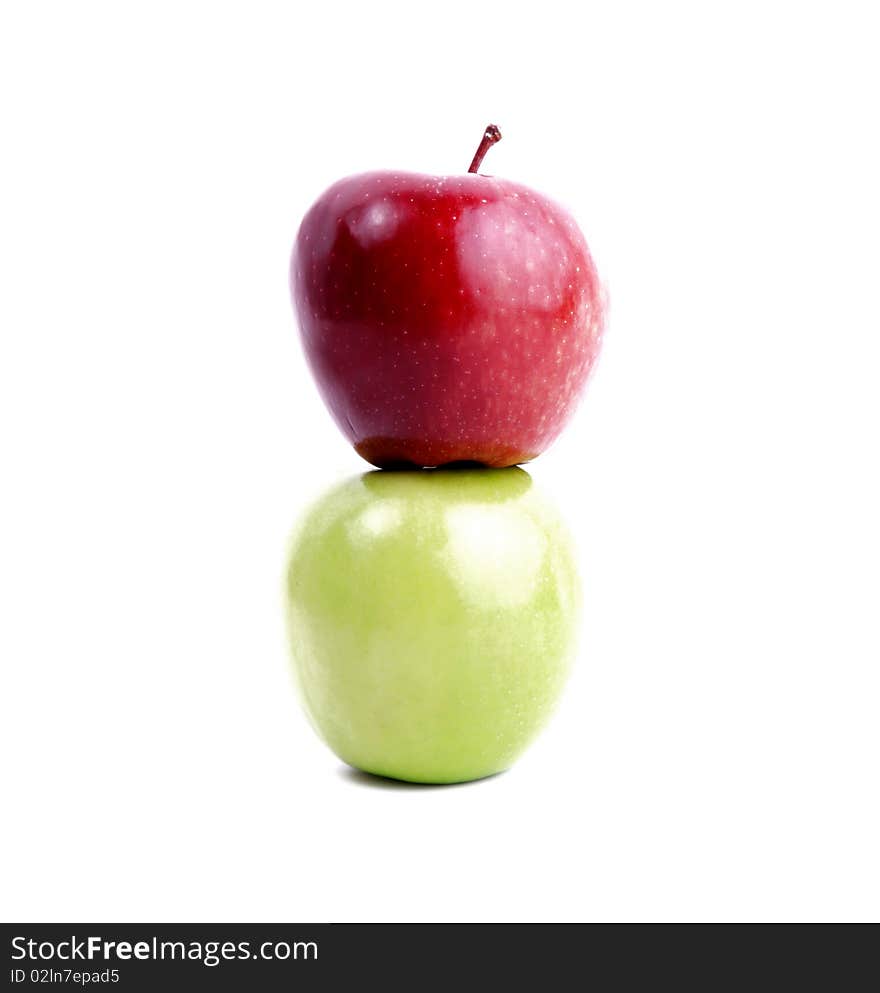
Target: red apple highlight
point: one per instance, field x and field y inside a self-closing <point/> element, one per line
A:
<point x="446" y="318"/>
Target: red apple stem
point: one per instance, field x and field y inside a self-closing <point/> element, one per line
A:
<point x="490" y="136"/>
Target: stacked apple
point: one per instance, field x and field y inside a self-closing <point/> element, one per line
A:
<point x="449" y="321"/>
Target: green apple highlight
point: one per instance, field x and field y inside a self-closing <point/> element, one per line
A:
<point x="432" y="619"/>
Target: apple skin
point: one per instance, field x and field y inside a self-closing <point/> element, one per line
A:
<point x="445" y="318"/>
<point x="432" y="619"/>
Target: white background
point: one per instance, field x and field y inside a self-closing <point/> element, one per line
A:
<point x="715" y="757"/>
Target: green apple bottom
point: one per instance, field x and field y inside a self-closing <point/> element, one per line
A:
<point x="432" y="618"/>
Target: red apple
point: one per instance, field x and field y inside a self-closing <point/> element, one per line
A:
<point x="446" y="318"/>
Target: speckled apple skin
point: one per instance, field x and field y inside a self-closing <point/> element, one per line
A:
<point x="445" y="318"/>
<point x="432" y="619"/>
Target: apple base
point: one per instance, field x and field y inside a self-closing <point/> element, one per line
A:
<point x="378" y="778"/>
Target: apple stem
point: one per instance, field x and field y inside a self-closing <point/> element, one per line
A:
<point x="490" y="136"/>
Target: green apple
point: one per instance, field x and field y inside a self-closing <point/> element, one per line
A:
<point x="432" y="618"/>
